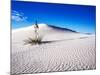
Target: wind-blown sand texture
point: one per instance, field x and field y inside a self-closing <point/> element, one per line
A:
<point x="62" y="50"/>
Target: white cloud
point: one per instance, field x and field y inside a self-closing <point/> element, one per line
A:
<point x="18" y="16"/>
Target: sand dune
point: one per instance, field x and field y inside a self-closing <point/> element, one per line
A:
<point x="68" y="51"/>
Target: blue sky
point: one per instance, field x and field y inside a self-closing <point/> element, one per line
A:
<point x="80" y="18"/>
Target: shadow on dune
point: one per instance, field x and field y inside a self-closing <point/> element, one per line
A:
<point x="47" y="42"/>
<point x="44" y="42"/>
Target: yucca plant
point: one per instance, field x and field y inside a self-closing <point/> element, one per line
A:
<point x="37" y="39"/>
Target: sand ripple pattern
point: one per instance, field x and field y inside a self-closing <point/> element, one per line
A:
<point x="67" y="55"/>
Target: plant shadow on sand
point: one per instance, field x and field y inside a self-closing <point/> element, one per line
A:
<point x="39" y="41"/>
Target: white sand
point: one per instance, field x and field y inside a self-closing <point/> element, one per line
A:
<point x="68" y="51"/>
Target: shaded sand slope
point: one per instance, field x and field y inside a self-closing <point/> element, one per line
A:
<point x="74" y="51"/>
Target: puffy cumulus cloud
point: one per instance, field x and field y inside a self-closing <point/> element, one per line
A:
<point x="18" y="16"/>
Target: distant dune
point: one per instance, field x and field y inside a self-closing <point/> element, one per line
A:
<point x="65" y="50"/>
